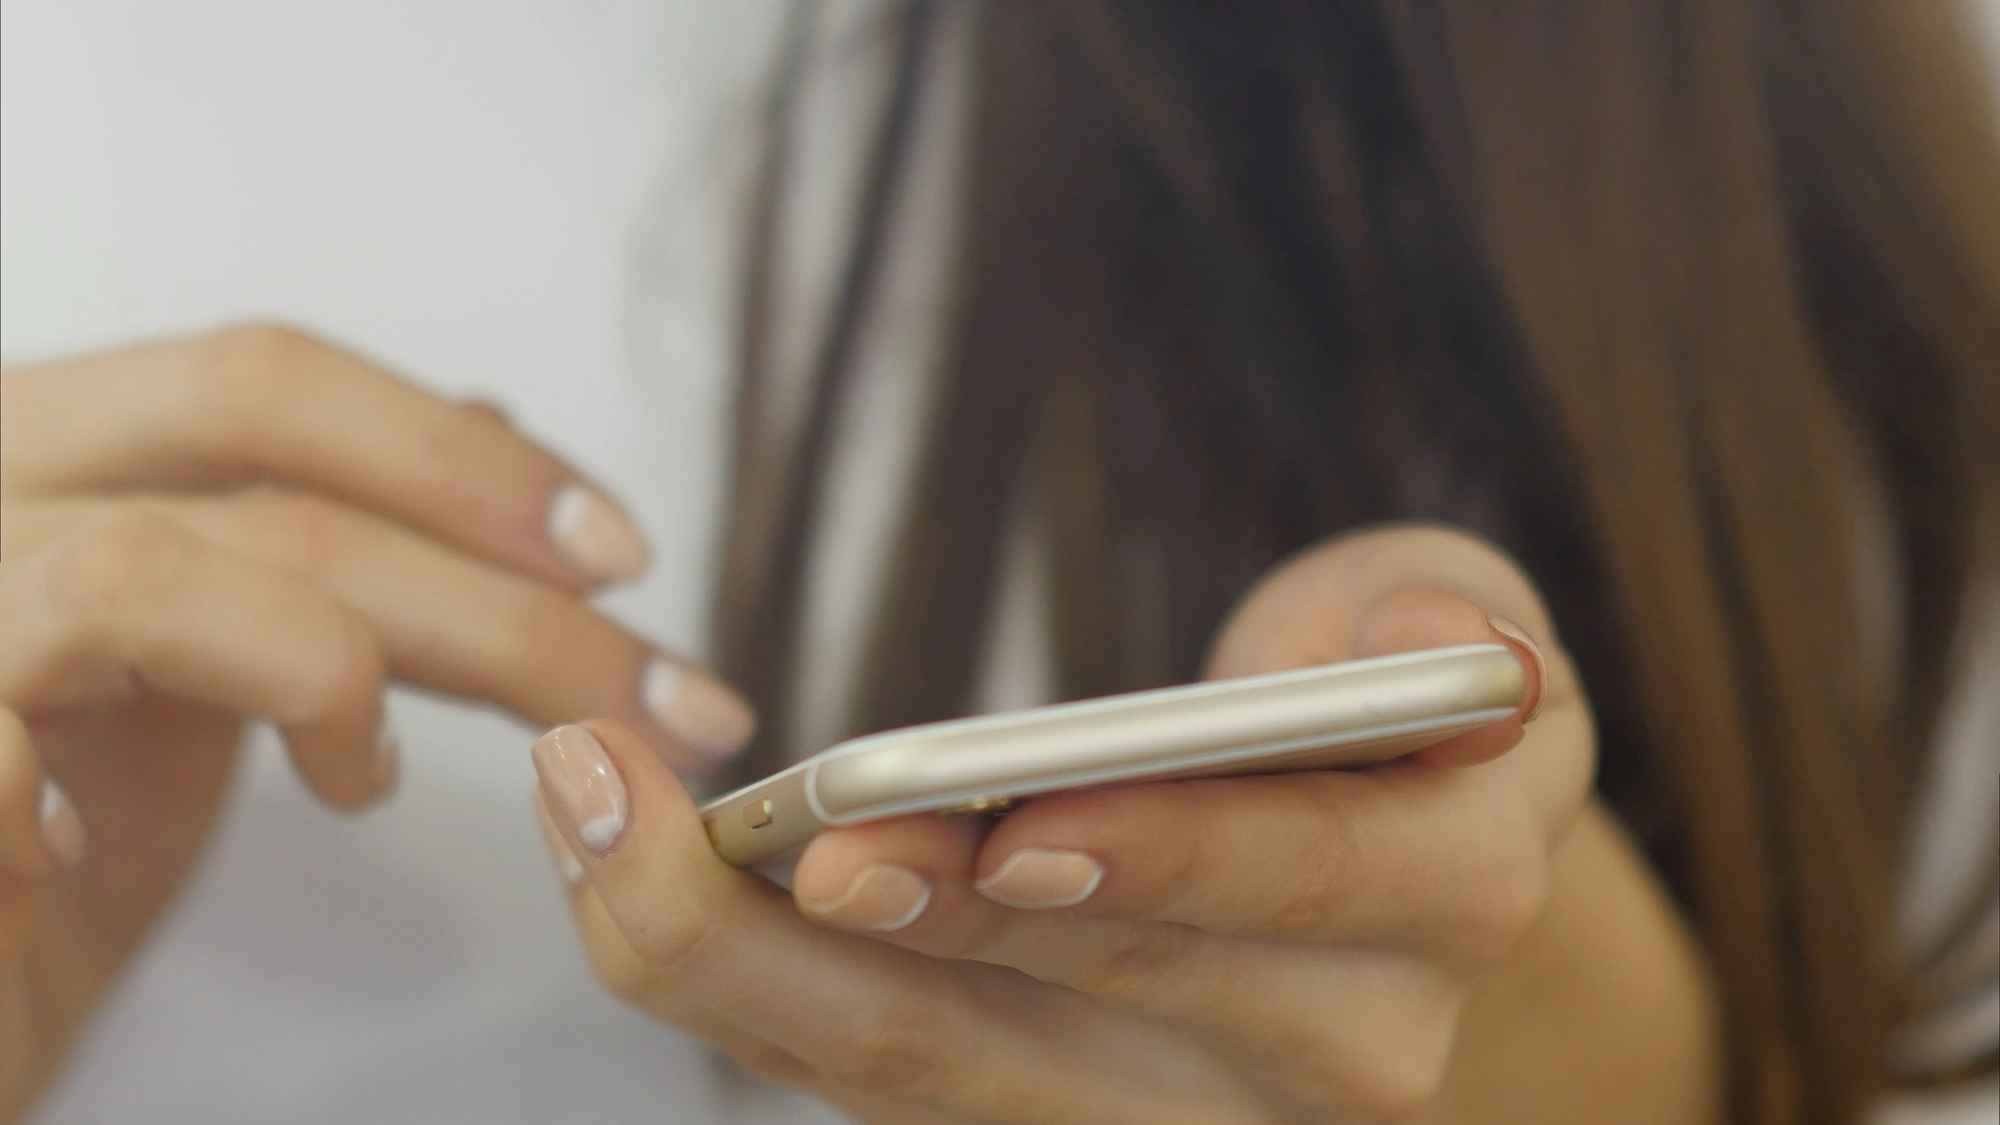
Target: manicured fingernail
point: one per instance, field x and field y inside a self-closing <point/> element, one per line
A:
<point x="881" y="899"/>
<point x="697" y="709"/>
<point x="1520" y="637"/>
<point x="1042" y="879"/>
<point x="62" y="829"/>
<point x="582" y="784"/>
<point x="595" y="536"/>
<point x="568" y="867"/>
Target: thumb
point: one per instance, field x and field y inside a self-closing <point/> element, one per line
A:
<point x="1398" y="589"/>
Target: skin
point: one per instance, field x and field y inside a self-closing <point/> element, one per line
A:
<point x="352" y="530"/>
<point x="1463" y="936"/>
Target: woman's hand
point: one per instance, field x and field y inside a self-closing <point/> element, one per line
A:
<point x="255" y="524"/>
<point x="1295" y="948"/>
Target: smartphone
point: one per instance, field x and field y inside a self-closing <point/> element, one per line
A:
<point x="1339" y="715"/>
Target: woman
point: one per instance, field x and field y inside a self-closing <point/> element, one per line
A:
<point x="1689" y="313"/>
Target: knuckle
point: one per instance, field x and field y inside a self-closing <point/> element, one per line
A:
<point x="344" y="675"/>
<point x="1172" y="884"/>
<point x="772" y="1063"/>
<point x="303" y="532"/>
<point x="1326" y="855"/>
<point x="486" y="412"/>
<point x="893" y="1046"/>
<point x="1236" y="1112"/>
<point x="1396" y="1090"/>
<point x="621" y="971"/>
<point x="672" y="943"/>
<point x="1399" y="1085"/>
<point x="1312" y="1069"/>
<point x="244" y="373"/>
<point x="542" y="619"/>
<point x="121" y="561"/>
<point x="263" y="347"/>
<point x="1175" y="879"/>
<point x="1303" y="909"/>
<point x="448" y="440"/>
<point x="349" y="681"/>
<point x="1312" y="1099"/>
<point x="1499" y="908"/>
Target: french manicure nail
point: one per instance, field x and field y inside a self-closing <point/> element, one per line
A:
<point x="1042" y="879"/>
<point x="62" y="829"/>
<point x="583" y="784"/>
<point x="881" y="899"/>
<point x="696" y="709"/>
<point x="1520" y="636"/>
<point x="595" y="536"/>
<point x="568" y="867"/>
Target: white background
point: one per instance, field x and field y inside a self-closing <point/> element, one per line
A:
<point x="528" y="200"/>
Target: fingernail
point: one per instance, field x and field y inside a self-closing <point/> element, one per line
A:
<point x="568" y="867"/>
<point x="1042" y="879"/>
<point x="1520" y="637"/>
<point x="62" y="829"/>
<point x="697" y="709"/>
<point x="881" y="899"/>
<point x="581" y="782"/>
<point x="595" y="536"/>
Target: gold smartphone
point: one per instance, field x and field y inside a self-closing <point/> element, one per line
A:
<point x="1350" y="714"/>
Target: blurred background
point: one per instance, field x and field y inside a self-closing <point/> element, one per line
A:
<point x="527" y="201"/>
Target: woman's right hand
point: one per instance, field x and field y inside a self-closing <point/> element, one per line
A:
<point x="255" y="524"/>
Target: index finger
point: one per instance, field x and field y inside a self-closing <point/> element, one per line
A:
<point x="263" y="403"/>
<point x="698" y="942"/>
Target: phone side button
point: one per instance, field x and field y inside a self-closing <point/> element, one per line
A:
<point x="757" y="814"/>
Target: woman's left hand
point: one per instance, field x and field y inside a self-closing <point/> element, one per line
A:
<point x="1284" y="948"/>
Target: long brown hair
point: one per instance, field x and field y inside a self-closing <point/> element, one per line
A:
<point x="1679" y="301"/>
